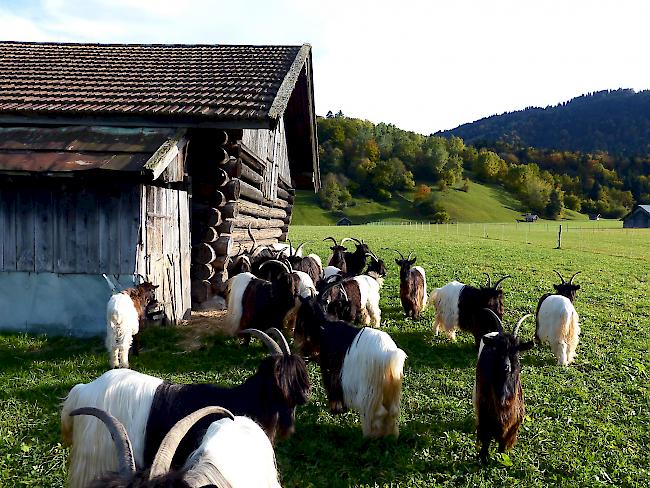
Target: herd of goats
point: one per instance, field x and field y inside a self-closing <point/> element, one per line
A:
<point x="200" y="435"/>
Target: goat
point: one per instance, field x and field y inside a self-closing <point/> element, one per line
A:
<point x="311" y="264"/>
<point x="498" y="397"/>
<point x="362" y="292"/>
<point x="557" y="321"/>
<point x="337" y="259"/>
<point x="459" y="306"/>
<point x="125" y="313"/>
<point x="253" y="301"/>
<point x="329" y="271"/>
<point x="355" y="261"/>
<point x="412" y="285"/>
<point x="149" y="407"/>
<point x="362" y="369"/>
<point x="202" y="469"/>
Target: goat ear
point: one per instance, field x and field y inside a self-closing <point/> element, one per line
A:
<point x="397" y="262"/>
<point x="488" y="340"/>
<point x="557" y="287"/>
<point x="412" y="261"/>
<point x="155" y="286"/>
<point x="525" y="346"/>
<point x="577" y="287"/>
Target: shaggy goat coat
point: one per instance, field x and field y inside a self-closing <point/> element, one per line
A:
<point x="413" y="291"/>
<point x="559" y="325"/>
<point x="369" y="310"/>
<point x="445" y="300"/>
<point x="125" y="394"/>
<point x="122" y="323"/>
<point x="371" y="379"/>
<point x="241" y="452"/>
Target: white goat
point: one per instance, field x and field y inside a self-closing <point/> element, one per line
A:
<point x="559" y="325"/>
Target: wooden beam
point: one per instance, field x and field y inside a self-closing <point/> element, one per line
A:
<point x="241" y="235"/>
<point x="223" y="245"/>
<point x="201" y="271"/>
<point x="221" y="263"/>
<point x="257" y="210"/>
<point x="261" y="242"/>
<point x="230" y="210"/>
<point x="200" y="290"/>
<point x="203" y="253"/>
<point x="285" y="195"/>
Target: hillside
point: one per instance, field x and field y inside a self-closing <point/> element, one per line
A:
<point x="615" y="121"/>
<point x="482" y="203"/>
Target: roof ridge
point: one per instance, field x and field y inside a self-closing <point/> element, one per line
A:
<point x="144" y="44"/>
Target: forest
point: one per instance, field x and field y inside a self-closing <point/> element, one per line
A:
<point x="360" y="158"/>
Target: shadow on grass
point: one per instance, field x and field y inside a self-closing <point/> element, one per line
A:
<point x="437" y="353"/>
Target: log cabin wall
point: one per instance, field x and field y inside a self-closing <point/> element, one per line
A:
<point x="234" y="187"/>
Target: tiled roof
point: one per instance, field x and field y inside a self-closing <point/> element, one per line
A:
<point x="202" y="82"/>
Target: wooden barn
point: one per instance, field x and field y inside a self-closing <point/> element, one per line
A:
<point x="639" y="217"/>
<point x="143" y="159"/>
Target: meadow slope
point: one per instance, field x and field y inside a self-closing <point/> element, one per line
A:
<point x="587" y="425"/>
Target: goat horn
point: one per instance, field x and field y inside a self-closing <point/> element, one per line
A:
<point x="499" y="323"/>
<point x="290" y="247"/>
<point x="351" y="239"/>
<point x="163" y="460"/>
<point x="333" y="240"/>
<point x="119" y="436"/>
<point x="250" y="234"/>
<point x="344" y="293"/>
<point x="574" y="275"/>
<point x="284" y="345"/>
<point x="299" y="248"/>
<point x="287" y="268"/>
<point x="519" y="322"/>
<point x="401" y="255"/>
<point x="135" y="275"/>
<point x="332" y="281"/>
<point x="273" y="346"/>
<point x="489" y="280"/>
<point x="560" y="276"/>
<point x="496" y="285"/>
<point x="410" y="254"/>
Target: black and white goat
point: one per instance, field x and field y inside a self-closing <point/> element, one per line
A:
<point x="204" y="468"/>
<point x="149" y="407"/>
<point x="459" y="306"/>
<point x="311" y="264"/>
<point x="558" y="322"/>
<point x="362" y="369"/>
<point x="125" y="313"/>
<point x="337" y="259"/>
<point x="362" y="292"/>
<point x="498" y="396"/>
<point x="412" y="285"/>
<point x="253" y="301"/>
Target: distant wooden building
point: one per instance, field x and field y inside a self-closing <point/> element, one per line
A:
<point x="143" y="159"/>
<point x="594" y="216"/>
<point x="639" y="217"/>
<point x="344" y="221"/>
<point x="530" y="217"/>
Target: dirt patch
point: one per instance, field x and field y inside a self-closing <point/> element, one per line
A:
<point x="200" y="327"/>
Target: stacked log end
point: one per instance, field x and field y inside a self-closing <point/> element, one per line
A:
<point x="228" y="198"/>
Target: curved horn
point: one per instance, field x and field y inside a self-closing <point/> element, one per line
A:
<point x="499" y="323"/>
<point x="332" y="281"/>
<point x="250" y="234"/>
<point x="372" y="255"/>
<point x="574" y="275"/>
<point x="287" y="268"/>
<point x="333" y="240"/>
<point x="163" y="460"/>
<point x="496" y="285"/>
<point x="290" y="248"/>
<point x="519" y="322"/>
<point x="410" y="254"/>
<point x="268" y="342"/>
<point x="344" y="293"/>
<point x="561" y="276"/>
<point x="284" y="345"/>
<point x="299" y="248"/>
<point x="400" y="254"/>
<point x="125" y="458"/>
<point x="489" y="280"/>
<point x="351" y="239"/>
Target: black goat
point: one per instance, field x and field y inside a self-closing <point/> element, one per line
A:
<point x="355" y="261"/>
<point x="310" y="264"/>
<point x="498" y="395"/>
<point x="338" y="256"/>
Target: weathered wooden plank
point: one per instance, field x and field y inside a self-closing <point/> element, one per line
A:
<point x="113" y="235"/>
<point x="203" y="253"/>
<point x="250" y="175"/>
<point x="9" y="229"/>
<point x="103" y="215"/>
<point x="201" y="271"/>
<point x="223" y="245"/>
<point x="243" y="221"/>
<point x="81" y="232"/>
<point x="184" y="253"/>
<point x="241" y="235"/>
<point x="201" y="290"/>
<point x="25" y="231"/>
<point x="233" y="167"/>
<point x="65" y="237"/>
<point x="232" y="190"/>
<point x="44" y="231"/>
<point x="230" y="210"/>
<point x="221" y="262"/>
<point x="129" y="224"/>
<point x="260" y="242"/>
<point x="285" y="195"/>
<point x="257" y="210"/>
<point x="3" y="210"/>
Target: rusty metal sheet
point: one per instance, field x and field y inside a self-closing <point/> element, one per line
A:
<point x="84" y="139"/>
<point x="59" y="161"/>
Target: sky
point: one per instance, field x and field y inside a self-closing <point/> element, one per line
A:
<point x="421" y="65"/>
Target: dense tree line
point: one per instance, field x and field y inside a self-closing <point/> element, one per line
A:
<point x="377" y="160"/>
<point x="616" y="121"/>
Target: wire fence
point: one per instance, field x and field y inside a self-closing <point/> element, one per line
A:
<point x="598" y="237"/>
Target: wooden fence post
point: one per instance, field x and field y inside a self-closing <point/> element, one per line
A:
<point x="559" y="238"/>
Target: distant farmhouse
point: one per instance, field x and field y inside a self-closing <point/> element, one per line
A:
<point x="639" y="217"/>
<point x="530" y="217"/>
<point x="149" y="160"/>
<point x="594" y="216"/>
<point x="344" y="221"/>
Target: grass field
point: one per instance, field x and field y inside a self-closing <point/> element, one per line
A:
<point x="482" y="203"/>
<point x="588" y="425"/>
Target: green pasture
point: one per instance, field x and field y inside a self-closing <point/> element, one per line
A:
<point x="586" y="425"/>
